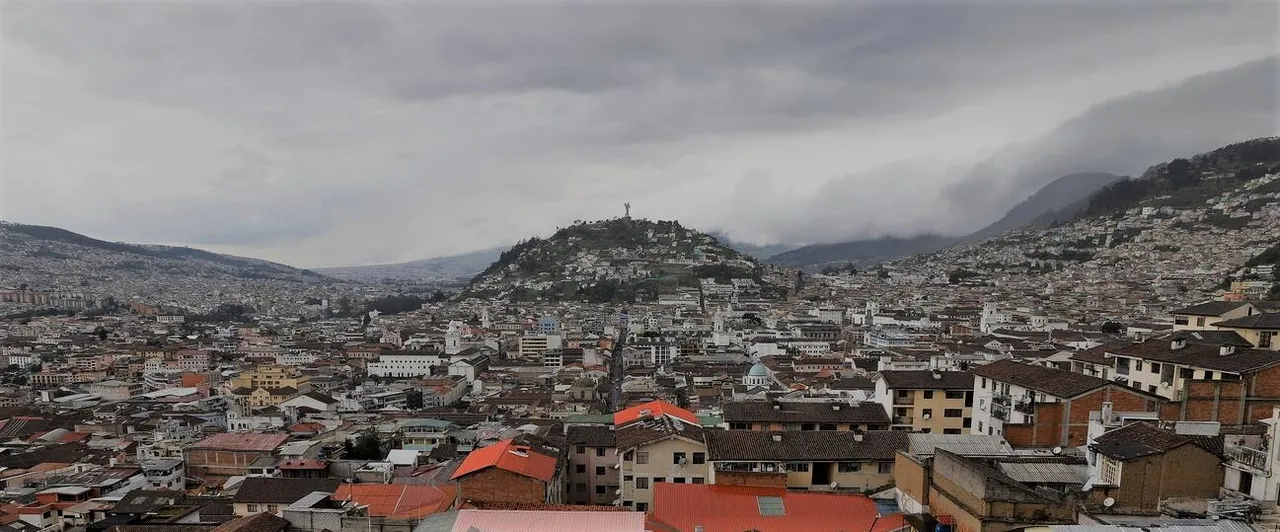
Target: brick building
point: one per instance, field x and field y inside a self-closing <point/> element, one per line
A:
<point x="1040" y="406"/>
<point x="1139" y="465"/>
<point x="520" y="470"/>
<point x="231" y="454"/>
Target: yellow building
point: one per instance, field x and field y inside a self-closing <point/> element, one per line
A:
<point x="927" y="401"/>
<point x="261" y="397"/>
<point x="806" y="460"/>
<point x="273" y="377"/>
<point x="655" y="450"/>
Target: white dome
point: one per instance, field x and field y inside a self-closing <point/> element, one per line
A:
<point x="758" y="370"/>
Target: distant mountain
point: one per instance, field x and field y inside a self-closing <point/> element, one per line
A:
<point x="44" y="257"/>
<point x="617" y="260"/>
<point x="757" y="252"/>
<point x="452" y="269"/>
<point x="861" y="251"/>
<point x="1058" y="201"/>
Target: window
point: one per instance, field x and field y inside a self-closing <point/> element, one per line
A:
<point x="580" y="468"/>
<point x="599" y="490"/>
<point x="699" y="480"/>
<point x="951" y="431"/>
<point x="968" y="422"/>
<point x="798" y="467"/>
<point x="927" y="412"/>
<point x="827" y="426"/>
<point x="642" y="507"/>
<point x="628" y="478"/>
<point x="1208" y="374"/>
<point x="629" y="456"/>
<point x="953" y="412"/>
<point x="1200" y="322"/>
<point x="581" y="486"/>
<point x="928" y="394"/>
<point x="1181" y="320"/>
<point x="850" y="467"/>
<point x="599" y="471"/>
<point x="1137" y="365"/>
<point x="699" y="458"/>
<point x="599" y="451"/>
<point x="678" y="480"/>
<point x="955" y="394"/>
<point x="739" y="426"/>
<point x="1187" y="373"/>
<point x="808" y="426"/>
<point x="273" y="508"/>
<point x="979" y="427"/>
<point x="984" y="383"/>
<point x="252" y="508"/>
<point x="581" y="449"/>
<point x="886" y="468"/>
<point x="679" y="458"/>
<point x="642" y="483"/>
<point x="1151" y="388"/>
<point x="1155" y="368"/>
<point x="1264" y="339"/>
<point x="642" y="457"/>
<point x="627" y="503"/>
<point x="659" y="479"/>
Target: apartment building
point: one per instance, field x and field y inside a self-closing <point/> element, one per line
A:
<point x="658" y="442"/>
<point x="927" y="401"/>
<point x="796" y="415"/>
<point x="593" y="457"/>
<point x="1034" y="405"/>
<point x="405" y="363"/>
<point x="808" y="460"/>
<point x="271" y="377"/>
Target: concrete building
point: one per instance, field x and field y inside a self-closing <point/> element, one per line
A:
<point x="927" y="401"/>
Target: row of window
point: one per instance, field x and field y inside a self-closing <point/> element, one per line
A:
<point x="678" y="457"/>
<point x="643" y="483"/>
<point x="582" y="449"/>
<point x="928" y="394"/>
<point x="600" y="490"/>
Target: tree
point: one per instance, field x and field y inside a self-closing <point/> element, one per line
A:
<point x="1111" y="327"/>
<point x="367" y="447"/>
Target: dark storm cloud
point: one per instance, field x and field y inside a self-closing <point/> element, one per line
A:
<point x="386" y="129"/>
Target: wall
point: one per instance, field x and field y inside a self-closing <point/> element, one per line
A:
<point x="660" y="465"/>
<point x="1067" y="423"/>
<point x="739" y="478"/>
<point x="911" y="478"/>
<point x="589" y="459"/>
<point x="214" y="462"/>
<point x="500" y="485"/>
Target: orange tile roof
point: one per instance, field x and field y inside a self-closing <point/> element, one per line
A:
<point x="719" y="508"/>
<point x="653" y="409"/>
<point x="514" y="458"/>
<point x="398" y="501"/>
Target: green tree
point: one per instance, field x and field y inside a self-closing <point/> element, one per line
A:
<point x="366" y="447"/>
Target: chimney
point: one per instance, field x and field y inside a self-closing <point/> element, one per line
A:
<point x="1226" y="350"/>
<point x="835" y="406"/>
<point x="1177" y="344"/>
<point x="1106" y="412"/>
<point x="777" y="437"/>
<point x="857" y="436"/>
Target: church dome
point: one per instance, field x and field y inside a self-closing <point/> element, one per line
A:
<point x="758" y="370"/>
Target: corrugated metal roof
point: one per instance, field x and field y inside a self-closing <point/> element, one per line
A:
<point x="961" y="444"/>
<point x="1046" y="473"/>
<point x="548" y="521"/>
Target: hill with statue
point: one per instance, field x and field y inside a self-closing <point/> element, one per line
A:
<point x="623" y="260"/>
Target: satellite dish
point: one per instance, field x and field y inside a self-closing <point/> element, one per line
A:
<point x="1109" y="502"/>
<point x="927" y="416"/>
<point x="1057" y="450"/>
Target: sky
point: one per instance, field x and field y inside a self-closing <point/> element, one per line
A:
<point x="342" y="133"/>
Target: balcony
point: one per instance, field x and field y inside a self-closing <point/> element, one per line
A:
<point x="903" y="420"/>
<point x="1025" y="407"/>
<point x="1255" y="459"/>
<point x="1000" y="411"/>
<point x="1001" y="400"/>
<point x="907" y="401"/>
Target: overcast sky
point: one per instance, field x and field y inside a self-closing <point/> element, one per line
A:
<point x="333" y="133"/>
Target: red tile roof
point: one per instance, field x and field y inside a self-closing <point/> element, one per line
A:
<point x="653" y="409"/>
<point x="506" y="455"/>
<point x="736" y="508"/>
<point x="398" y="501"/>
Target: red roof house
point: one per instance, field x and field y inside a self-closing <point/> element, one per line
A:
<point x="653" y="409"/>
<point x="511" y="471"/>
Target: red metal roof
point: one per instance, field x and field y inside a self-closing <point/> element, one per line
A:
<point x="398" y="501"/>
<point x="242" y="442"/>
<point x="720" y="508"/>
<point x="549" y="521"/>
<point x="514" y="458"/>
<point x="653" y="409"/>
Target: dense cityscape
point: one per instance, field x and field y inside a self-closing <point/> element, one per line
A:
<point x="628" y="374"/>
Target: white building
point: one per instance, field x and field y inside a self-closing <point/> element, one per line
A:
<point x="404" y="364"/>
